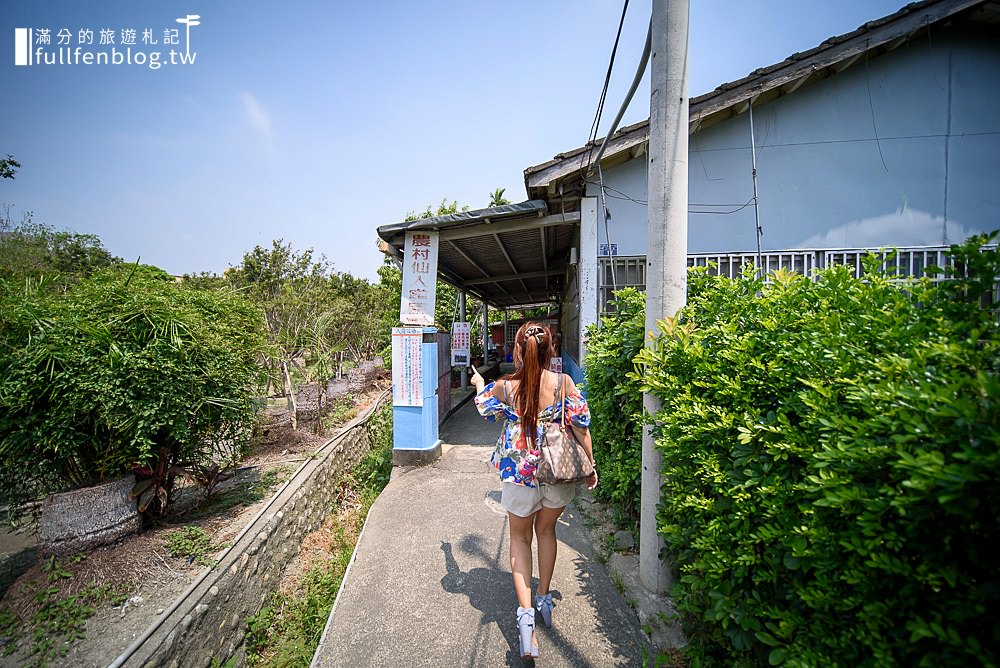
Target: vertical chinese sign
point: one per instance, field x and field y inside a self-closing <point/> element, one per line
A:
<point x="406" y="366"/>
<point x="420" y="255"/>
<point x="461" y="340"/>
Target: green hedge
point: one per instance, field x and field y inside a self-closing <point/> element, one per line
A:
<point x="831" y="469"/>
<point x="616" y="402"/>
<point x="123" y="371"/>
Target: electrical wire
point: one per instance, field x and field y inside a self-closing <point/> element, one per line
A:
<point x="607" y="234"/>
<point x="625" y="196"/>
<point x="863" y="140"/>
<point x="639" y="72"/>
<point x="726" y="213"/>
<point x="592" y="137"/>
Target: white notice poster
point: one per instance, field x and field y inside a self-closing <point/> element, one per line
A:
<point x="420" y="253"/>
<point x="406" y="366"/>
<point x="461" y="340"/>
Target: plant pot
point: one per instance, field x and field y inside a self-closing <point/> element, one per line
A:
<point x="82" y="519"/>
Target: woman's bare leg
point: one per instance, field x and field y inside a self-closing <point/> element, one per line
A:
<point x="545" y="530"/>
<point x="520" y="556"/>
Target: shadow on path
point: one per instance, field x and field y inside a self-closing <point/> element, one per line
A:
<point x="490" y="590"/>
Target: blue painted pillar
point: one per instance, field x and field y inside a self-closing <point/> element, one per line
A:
<point x="415" y="439"/>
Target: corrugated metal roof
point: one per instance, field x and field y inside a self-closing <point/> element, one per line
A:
<point x="509" y="255"/>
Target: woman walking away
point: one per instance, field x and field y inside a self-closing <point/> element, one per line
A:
<point x="526" y="399"/>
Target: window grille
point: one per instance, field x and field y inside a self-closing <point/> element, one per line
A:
<point x="731" y="265"/>
<point x="618" y="273"/>
<point x="902" y="263"/>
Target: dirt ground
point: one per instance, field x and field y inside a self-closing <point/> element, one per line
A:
<point x="142" y="568"/>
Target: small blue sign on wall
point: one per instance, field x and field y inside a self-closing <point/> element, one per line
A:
<point x="605" y="250"/>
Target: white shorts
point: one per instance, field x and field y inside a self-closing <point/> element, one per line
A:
<point x="526" y="501"/>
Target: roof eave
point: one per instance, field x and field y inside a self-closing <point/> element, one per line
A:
<point x="733" y="98"/>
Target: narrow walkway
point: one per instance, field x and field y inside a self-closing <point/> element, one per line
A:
<point x="430" y="581"/>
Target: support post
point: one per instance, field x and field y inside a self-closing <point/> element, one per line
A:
<point x="590" y="283"/>
<point x="666" y="259"/>
<point x="506" y="343"/>
<point x="464" y="375"/>
<point x="486" y="333"/>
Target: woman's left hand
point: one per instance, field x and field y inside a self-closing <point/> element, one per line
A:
<point x="477" y="380"/>
<point x="592" y="480"/>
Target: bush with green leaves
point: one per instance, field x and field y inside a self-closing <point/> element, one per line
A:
<point x="123" y="371"/>
<point x="616" y="401"/>
<point x="831" y="463"/>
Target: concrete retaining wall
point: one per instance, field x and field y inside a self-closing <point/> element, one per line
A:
<point x="210" y="621"/>
<point x="15" y="562"/>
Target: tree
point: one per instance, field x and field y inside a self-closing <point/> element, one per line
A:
<point x="8" y="167"/>
<point x="290" y="288"/>
<point x="497" y="198"/>
<point x="30" y="250"/>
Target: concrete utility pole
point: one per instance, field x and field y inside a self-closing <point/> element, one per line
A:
<point x="666" y="253"/>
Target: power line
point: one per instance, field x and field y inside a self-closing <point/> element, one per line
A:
<point x="619" y="195"/>
<point x="640" y="70"/>
<point x="592" y="137"/>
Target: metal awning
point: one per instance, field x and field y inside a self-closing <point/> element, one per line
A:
<point x="509" y="256"/>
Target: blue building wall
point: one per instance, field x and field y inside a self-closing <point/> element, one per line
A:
<point x="903" y="150"/>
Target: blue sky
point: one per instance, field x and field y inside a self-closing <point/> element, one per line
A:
<point x="316" y="122"/>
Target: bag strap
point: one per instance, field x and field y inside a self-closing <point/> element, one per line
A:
<point x="559" y="404"/>
<point x="562" y="407"/>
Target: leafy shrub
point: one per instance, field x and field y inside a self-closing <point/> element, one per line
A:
<point x="123" y="371"/>
<point x="616" y="401"/>
<point x="830" y="462"/>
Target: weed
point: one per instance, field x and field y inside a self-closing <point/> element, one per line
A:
<point x="339" y="411"/>
<point x="59" y="618"/>
<point x="670" y="658"/>
<point x="55" y="570"/>
<point x="611" y="543"/>
<point x="243" y="494"/>
<point x="287" y="629"/>
<point x="619" y="582"/>
<point x="9" y="630"/>
<point x="192" y="543"/>
<point x="623" y="519"/>
<point x="668" y="619"/>
<point x="589" y="519"/>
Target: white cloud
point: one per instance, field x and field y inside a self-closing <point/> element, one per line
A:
<point x="256" y="115"/>
<point x="906" y="227"/>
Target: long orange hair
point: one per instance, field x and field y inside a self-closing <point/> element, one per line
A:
<point x="532" y="353"/>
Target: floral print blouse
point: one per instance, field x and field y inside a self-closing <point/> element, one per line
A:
<point x="511" y="456"/>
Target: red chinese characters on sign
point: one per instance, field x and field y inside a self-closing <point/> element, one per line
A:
<point x="419" y="278"/>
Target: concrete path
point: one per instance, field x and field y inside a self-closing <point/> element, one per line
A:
<point x="430" y="583"/>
